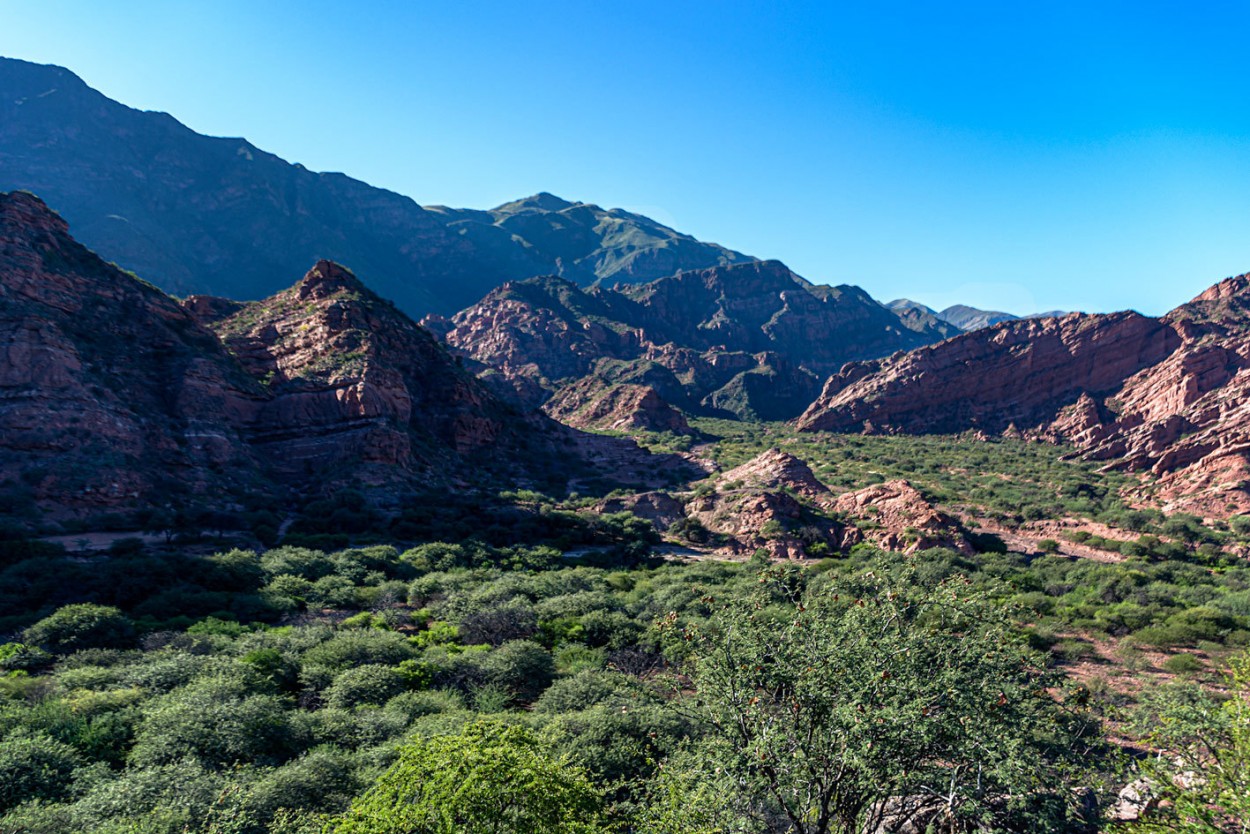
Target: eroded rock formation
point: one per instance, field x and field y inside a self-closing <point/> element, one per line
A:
<point x="1168" y="396"/>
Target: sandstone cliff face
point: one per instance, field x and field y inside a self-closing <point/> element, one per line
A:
<point x="115" y="396"/>
<point x="1187" y="419"/>
<point x="1019" y="373"/>
<point x="1168" y="395"/>
<point x="351" y="379"/>
<point x="110" y="392"/>
<point x="751" y="340"/>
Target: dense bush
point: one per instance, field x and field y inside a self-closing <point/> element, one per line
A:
<point x="82" y="626"/>
<point x="489" y="777"/>
<point x="35" y="767"/>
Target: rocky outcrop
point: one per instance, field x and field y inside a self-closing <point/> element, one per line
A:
<point x="593" y="404"/>
<point x="777" y="470"/>
<point x="659" y="508"/>
<point x="200" y="214"/>
<point x="1166" y="396"/>
<point x="777" y="522"/>
<point x="1021" y="373"/>
<point x="751" y="340"/>
<point x="772" y="502"/>
<point x="1187" y="419"/>
<point x="895" y="516"/>
<point x="351" y="380"/>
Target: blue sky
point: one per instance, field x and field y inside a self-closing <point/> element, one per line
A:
<point x="1024" y="156"/>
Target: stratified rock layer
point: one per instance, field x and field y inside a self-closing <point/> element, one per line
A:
<point x="1018" y="373"/>
<point x="114" y="395"/>
<point x="1169" y="396"/>
<point x="109" y="390"/>
<point x="593" y="404"/>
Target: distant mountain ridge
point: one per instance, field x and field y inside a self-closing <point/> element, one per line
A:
<point x="219" y="216"/>
<point x="752" y="340"/>
<point x="962" y="316"/>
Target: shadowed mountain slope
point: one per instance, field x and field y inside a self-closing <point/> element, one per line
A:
<point x="200" y="214"/>
<point x="115" y="396"/>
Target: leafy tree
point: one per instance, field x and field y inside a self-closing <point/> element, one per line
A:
<point x="217" y="721"/>
<point x="489" y="779"/>
<point x="844" y="707"/>
<point x="1203" y="770"/>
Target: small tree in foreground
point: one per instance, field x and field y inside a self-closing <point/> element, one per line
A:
<point x="489" y="779"/>
<point x="850" y="709"/>
<point x="1201" y="778"/>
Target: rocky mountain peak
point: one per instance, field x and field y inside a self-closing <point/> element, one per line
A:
<point x="1235" y="287"/>
<point x="542" y="201"/>
<point x="328" y="278"/>
<point x="25" y="210"/>
<point x="752" y="339"/>
<point x="1224" y="307"/>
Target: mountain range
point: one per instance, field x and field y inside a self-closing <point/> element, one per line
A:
<point x="1161" y="395"/>
<point x="751" y="340"/>
<point x="115" y="392"/>
<point x="114" y="395"/>
<point x="961" y="315"/>
<point x="200" y="214"/>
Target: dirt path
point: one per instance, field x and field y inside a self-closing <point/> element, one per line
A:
<point x="82" y="542"/>
<point x="1028" y="537"/>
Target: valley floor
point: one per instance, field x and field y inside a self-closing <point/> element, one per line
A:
<point x="213" y="684"/>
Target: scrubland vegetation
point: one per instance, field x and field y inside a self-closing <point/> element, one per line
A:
<point x="513" y="664"/>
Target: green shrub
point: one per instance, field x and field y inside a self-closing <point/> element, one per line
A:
<point x="82" y="626"/>
<point x="524" y="669"/>
<point x="359" y="647"/>
<point x="1179" y="664"/>
<point x="21" y="657"/>
<point x="368" y="684"/>
<point x="489" y="777"/>
<point x="216" y="721"/>
<point x="35" y="767"/>
<point x="582" y="691"/>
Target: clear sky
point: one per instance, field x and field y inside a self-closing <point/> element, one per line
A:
<point x="1013" y="155"/>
